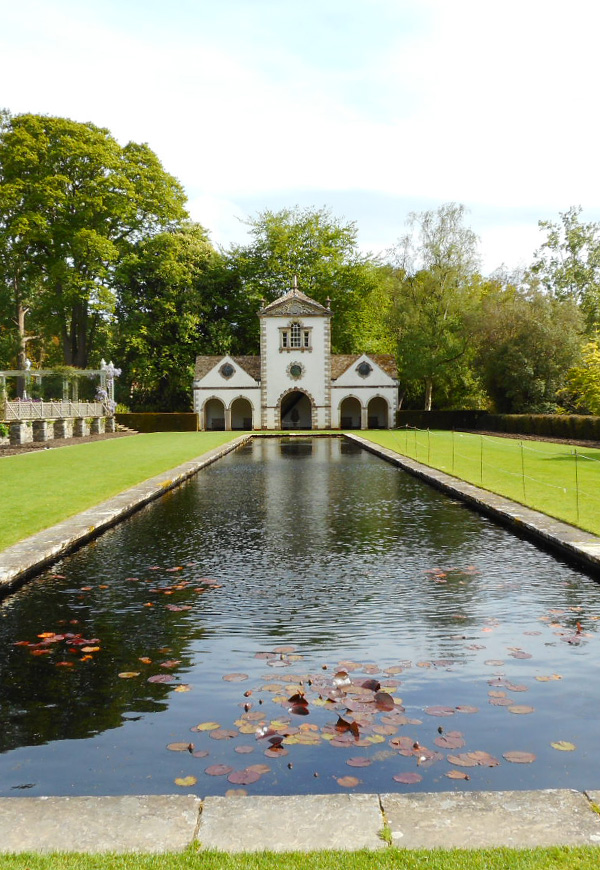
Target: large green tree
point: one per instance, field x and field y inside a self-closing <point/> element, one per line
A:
<point x="72" y="202"/>
<point x="318" y="248"/>
<point x="437" y="261"/>
<point x="568" y="263"/>
<point x="526" y="343"/>
<point x="175" y="299"/>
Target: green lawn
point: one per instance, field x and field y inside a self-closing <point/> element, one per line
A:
<point x="585" y="858"/>
<point x="43" y="487"/>
<point x="557" y="479"/>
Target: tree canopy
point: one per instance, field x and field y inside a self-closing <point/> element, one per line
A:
<point x="72" y="201"/>
<point x="318" y="248"/>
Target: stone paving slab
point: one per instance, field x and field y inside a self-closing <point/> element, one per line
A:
<point x="583" y="547"/>
<point x="291" y="823"/>
<point x="39" y="550"/>
<point x="136" y="823"/>
<point x="479" y="820"/>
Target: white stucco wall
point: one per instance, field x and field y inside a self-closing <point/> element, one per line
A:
<point x="214" y="386"/>
<point x="377" y="384"/>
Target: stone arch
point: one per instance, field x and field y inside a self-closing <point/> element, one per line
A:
<point x="212" y="415"/>
<point x="378" y="413"/>
<point x="350" y="413"/>
<point x="306" y="417"/>
<point x="241" y="411"/>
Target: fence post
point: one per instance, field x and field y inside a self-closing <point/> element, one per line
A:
<point x="428" y="447"/>
<point x="481" y="459"/>
<point x="523" y="471"/>
<point x="576" y="486"/>
<point x="453" y="451"/>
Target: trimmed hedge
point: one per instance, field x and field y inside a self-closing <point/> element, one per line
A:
<point x="158" y="422"/>
<point x="440" y="419"/>
<point x="579" y="426"/>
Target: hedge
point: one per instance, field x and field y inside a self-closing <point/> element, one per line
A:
<point x="579" y="426"/>
<point x="158" y="422"/>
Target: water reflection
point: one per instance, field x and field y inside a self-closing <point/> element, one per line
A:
<point x="309" y="542"/>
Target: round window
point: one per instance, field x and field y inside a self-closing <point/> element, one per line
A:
<point x="364" y="369"/>
<point x="296" y="370"/>
<point x="227" y="370"/>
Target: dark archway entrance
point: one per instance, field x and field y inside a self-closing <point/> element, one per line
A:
<point x="296" y="411"/>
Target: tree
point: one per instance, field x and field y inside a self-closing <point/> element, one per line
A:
<point x="527" y="341"/>
<point x="440" y="286"/>
<point x="568" y="263"/>
<point x="72" y="202"/>
<point x="175" y="300"/>
<point x="582" y="389"/>
<point x="321" y="250"/>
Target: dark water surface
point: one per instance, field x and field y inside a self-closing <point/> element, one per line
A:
<point x="318" y="546"/>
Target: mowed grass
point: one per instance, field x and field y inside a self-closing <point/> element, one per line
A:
<point x="43" y="487"/>
<point x="557" y="479"/>
<point x="581" y="858"/>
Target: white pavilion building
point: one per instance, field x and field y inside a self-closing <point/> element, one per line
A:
<point x="296" y="382"/>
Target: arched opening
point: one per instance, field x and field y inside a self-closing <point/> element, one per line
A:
<point x="241" y="414"/>
<point x="350" y="413"/>
<point x="214" y="415"/>
<point x="377" y="413"/>
<point x="296" y="411"/>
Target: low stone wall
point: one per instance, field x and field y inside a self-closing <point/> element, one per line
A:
<point x="26" y="431"/>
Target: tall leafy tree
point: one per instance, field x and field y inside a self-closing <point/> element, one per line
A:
<point x="526" y="343"/>
<point x="440" y="286"/>
<point x="72" y="202"/>
<point x="175" y="300"/>
<point x="318" y="248"/>
<point x="568" y="263"/>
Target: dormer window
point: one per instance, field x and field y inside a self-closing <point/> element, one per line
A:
<point x="295" y="336"/>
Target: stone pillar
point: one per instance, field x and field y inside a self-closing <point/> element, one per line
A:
<point x="228" y="419"/>
<point x="81" y="427"/>
<point x="110" y="424"/>
<point x="97" y="426"/>
<point x="364" y="418"/>
<point x="63" y="428"/>
<point x="42" y="430"/>
<point x="20" y="433"/>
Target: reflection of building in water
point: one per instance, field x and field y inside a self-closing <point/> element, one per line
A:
<point x="296" y="382"/>
<point x="300" y="479"/>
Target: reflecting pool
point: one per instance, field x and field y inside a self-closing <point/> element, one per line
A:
<point x="301" y="617"/>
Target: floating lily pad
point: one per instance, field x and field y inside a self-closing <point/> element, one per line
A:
<point x="408" y="778"/>
<point x="186" y="781"/>
<point x="243" y="777"/>
<point x="348" y="781"/>
<point x="218" y="770"/>
<point x="519" y="757"/>
<point x="563" y="746"/>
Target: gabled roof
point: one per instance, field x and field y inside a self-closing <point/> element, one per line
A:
<point x="341" y="362"/>
<point x="249" y="364"/>
<point x="294" y="303"/>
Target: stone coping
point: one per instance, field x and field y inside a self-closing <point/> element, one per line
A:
<point x="161" y="823"/>
<point x="36" y="552"/>
<point x="563" y="539"/>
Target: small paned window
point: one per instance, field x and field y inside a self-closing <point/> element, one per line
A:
<point x="285" y="339"/>
<point x="306" y="338"/>
<point x="295" y="335"/>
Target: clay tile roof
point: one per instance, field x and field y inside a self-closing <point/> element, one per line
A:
<point x="204" y="364"/>
<point x="342" y="361"/>
<point x="250" y="364"/>
<point x="295" y="294"/>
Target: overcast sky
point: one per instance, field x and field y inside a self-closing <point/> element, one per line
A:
<point x="374" y="108"/>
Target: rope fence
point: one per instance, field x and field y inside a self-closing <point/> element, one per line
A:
<point x="563" y="483"/>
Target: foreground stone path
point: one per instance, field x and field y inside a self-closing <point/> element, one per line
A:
<point x="161" y="823"/>
<point x="560" y="537"/>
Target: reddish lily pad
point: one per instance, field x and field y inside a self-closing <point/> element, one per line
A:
<point x="521" y="709"/>
<point x="348" y="781"/>
<point x="358" y="761"/>
<point x="218" y="770"/>
<point x="439" y="711"/>
<point x="408" y="778"/>
<point x="519" y="757"/>
<point x="161" y="678"/>
<point x="244" y="777"/>
<point x="235" y="678"/>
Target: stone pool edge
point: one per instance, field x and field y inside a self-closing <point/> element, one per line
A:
<point x="300" y="823"/>
<point x="32" y="554"/>
<point x="563" y="539"/>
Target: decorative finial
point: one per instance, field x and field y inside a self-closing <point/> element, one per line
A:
<point x="295" y="284"/>
<point x="328" y="304"/>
